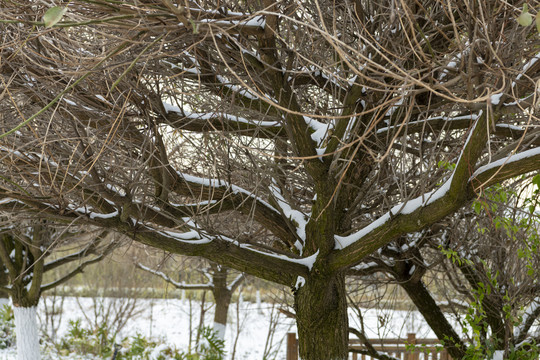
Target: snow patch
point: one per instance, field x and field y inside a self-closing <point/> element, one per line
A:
<point x="157" y="352"/>
<point x="193" y="237"/>
<point x="496" y="98"/>
<point x="308" y="261"/>
<point x="445" y="118"/>
<point x="526" y="67"/>
<point x="403" y="208"/>
<point x="300" y="281"/>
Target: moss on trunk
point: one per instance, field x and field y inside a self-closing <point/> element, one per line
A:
<point x="321" y="315"/>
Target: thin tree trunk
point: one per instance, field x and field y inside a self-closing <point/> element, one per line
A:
<point x="223" y="300"/>
<point x="321" y="315"/>
<point x="222" y="297"/>
<point x="433" y="315"/>
<point x="201" y="319"/>
<point x="26" y="330"/>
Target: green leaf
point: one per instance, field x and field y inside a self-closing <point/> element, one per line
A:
<point x="525" y="19"/>
<point x="54" y="15"/>
<point x="538" y="21"/>
<point x="477" y="206"/>
<point x="536" y="178"/>
<point x="194" y="26"/>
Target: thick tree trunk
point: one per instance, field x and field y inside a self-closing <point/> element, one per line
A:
<point x="26" y="330"/>
<point x="321" y="316"/>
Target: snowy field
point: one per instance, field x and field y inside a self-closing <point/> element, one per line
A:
<point x="253" y="331"/>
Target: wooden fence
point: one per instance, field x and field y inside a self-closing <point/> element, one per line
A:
<point x="424" y="349"/>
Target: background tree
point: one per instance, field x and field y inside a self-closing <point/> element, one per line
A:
<point x="218" y="281"/>
<point x="24" y="251"/>
<point x="315" y="130"/>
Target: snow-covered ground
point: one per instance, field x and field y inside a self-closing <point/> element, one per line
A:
<point x="249" y="330"/>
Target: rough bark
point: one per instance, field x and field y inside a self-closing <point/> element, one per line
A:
<point x="321" y="315"/>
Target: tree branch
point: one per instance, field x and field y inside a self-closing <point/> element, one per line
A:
<point x="182" y="286"/>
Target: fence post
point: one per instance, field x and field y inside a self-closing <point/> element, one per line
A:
<point x="292" y="347"/>
<point x="411" y="340"/>
<point x="444" y="355"/>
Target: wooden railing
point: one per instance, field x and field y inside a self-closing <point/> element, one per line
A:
<point x="424" y="349"/>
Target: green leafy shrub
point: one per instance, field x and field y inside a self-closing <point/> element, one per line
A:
<point x="141" y="348"/>
<point x="85" y="341"/>
<point x="211" y="347"/>
<point x="7" y="327"/>
<point x="98" y="342"/>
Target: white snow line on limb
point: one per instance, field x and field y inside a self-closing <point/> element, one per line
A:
<point x="296" y="216"/>
<point x="408" y="206"/>
<point x="212" y="115"/>
<point x="308" y="261"/>
<point x="179" y="285"/>
<point x="419" y="122"/>
<point x="217" y="183"/>
<point x="505" y="161"/>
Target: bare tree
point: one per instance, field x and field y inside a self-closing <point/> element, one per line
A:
<point x="24" y="251"/>
<point x="218" y="282"/>
<point x="314" y="130"/>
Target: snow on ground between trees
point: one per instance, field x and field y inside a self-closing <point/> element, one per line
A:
<point x="168" y="320"/>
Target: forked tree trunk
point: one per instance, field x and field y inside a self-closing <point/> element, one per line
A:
<point x="321" y="318"/>
<point x="26" y="331"/>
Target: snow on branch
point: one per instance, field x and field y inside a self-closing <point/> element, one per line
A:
<point x="218" y="116"/>
<point x="231" y="21"/>
<point x="178" y="285"/>
<point x="407" y="207"/>
<point x="413" y="213"/>
<point x="320" y="134"/>
<point x="526" y="67"/>
<point x="201" y="237"/>
<point x="236" y="282"/>
<point x="307" y="261"/>
<point x="217" y="183"/>
<point x="447" y="122"/>
<point x="298" y="218"/>
<point x="514" y="158"/>
<point x="255" y="22"/>
<point x="238" y="255"/>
